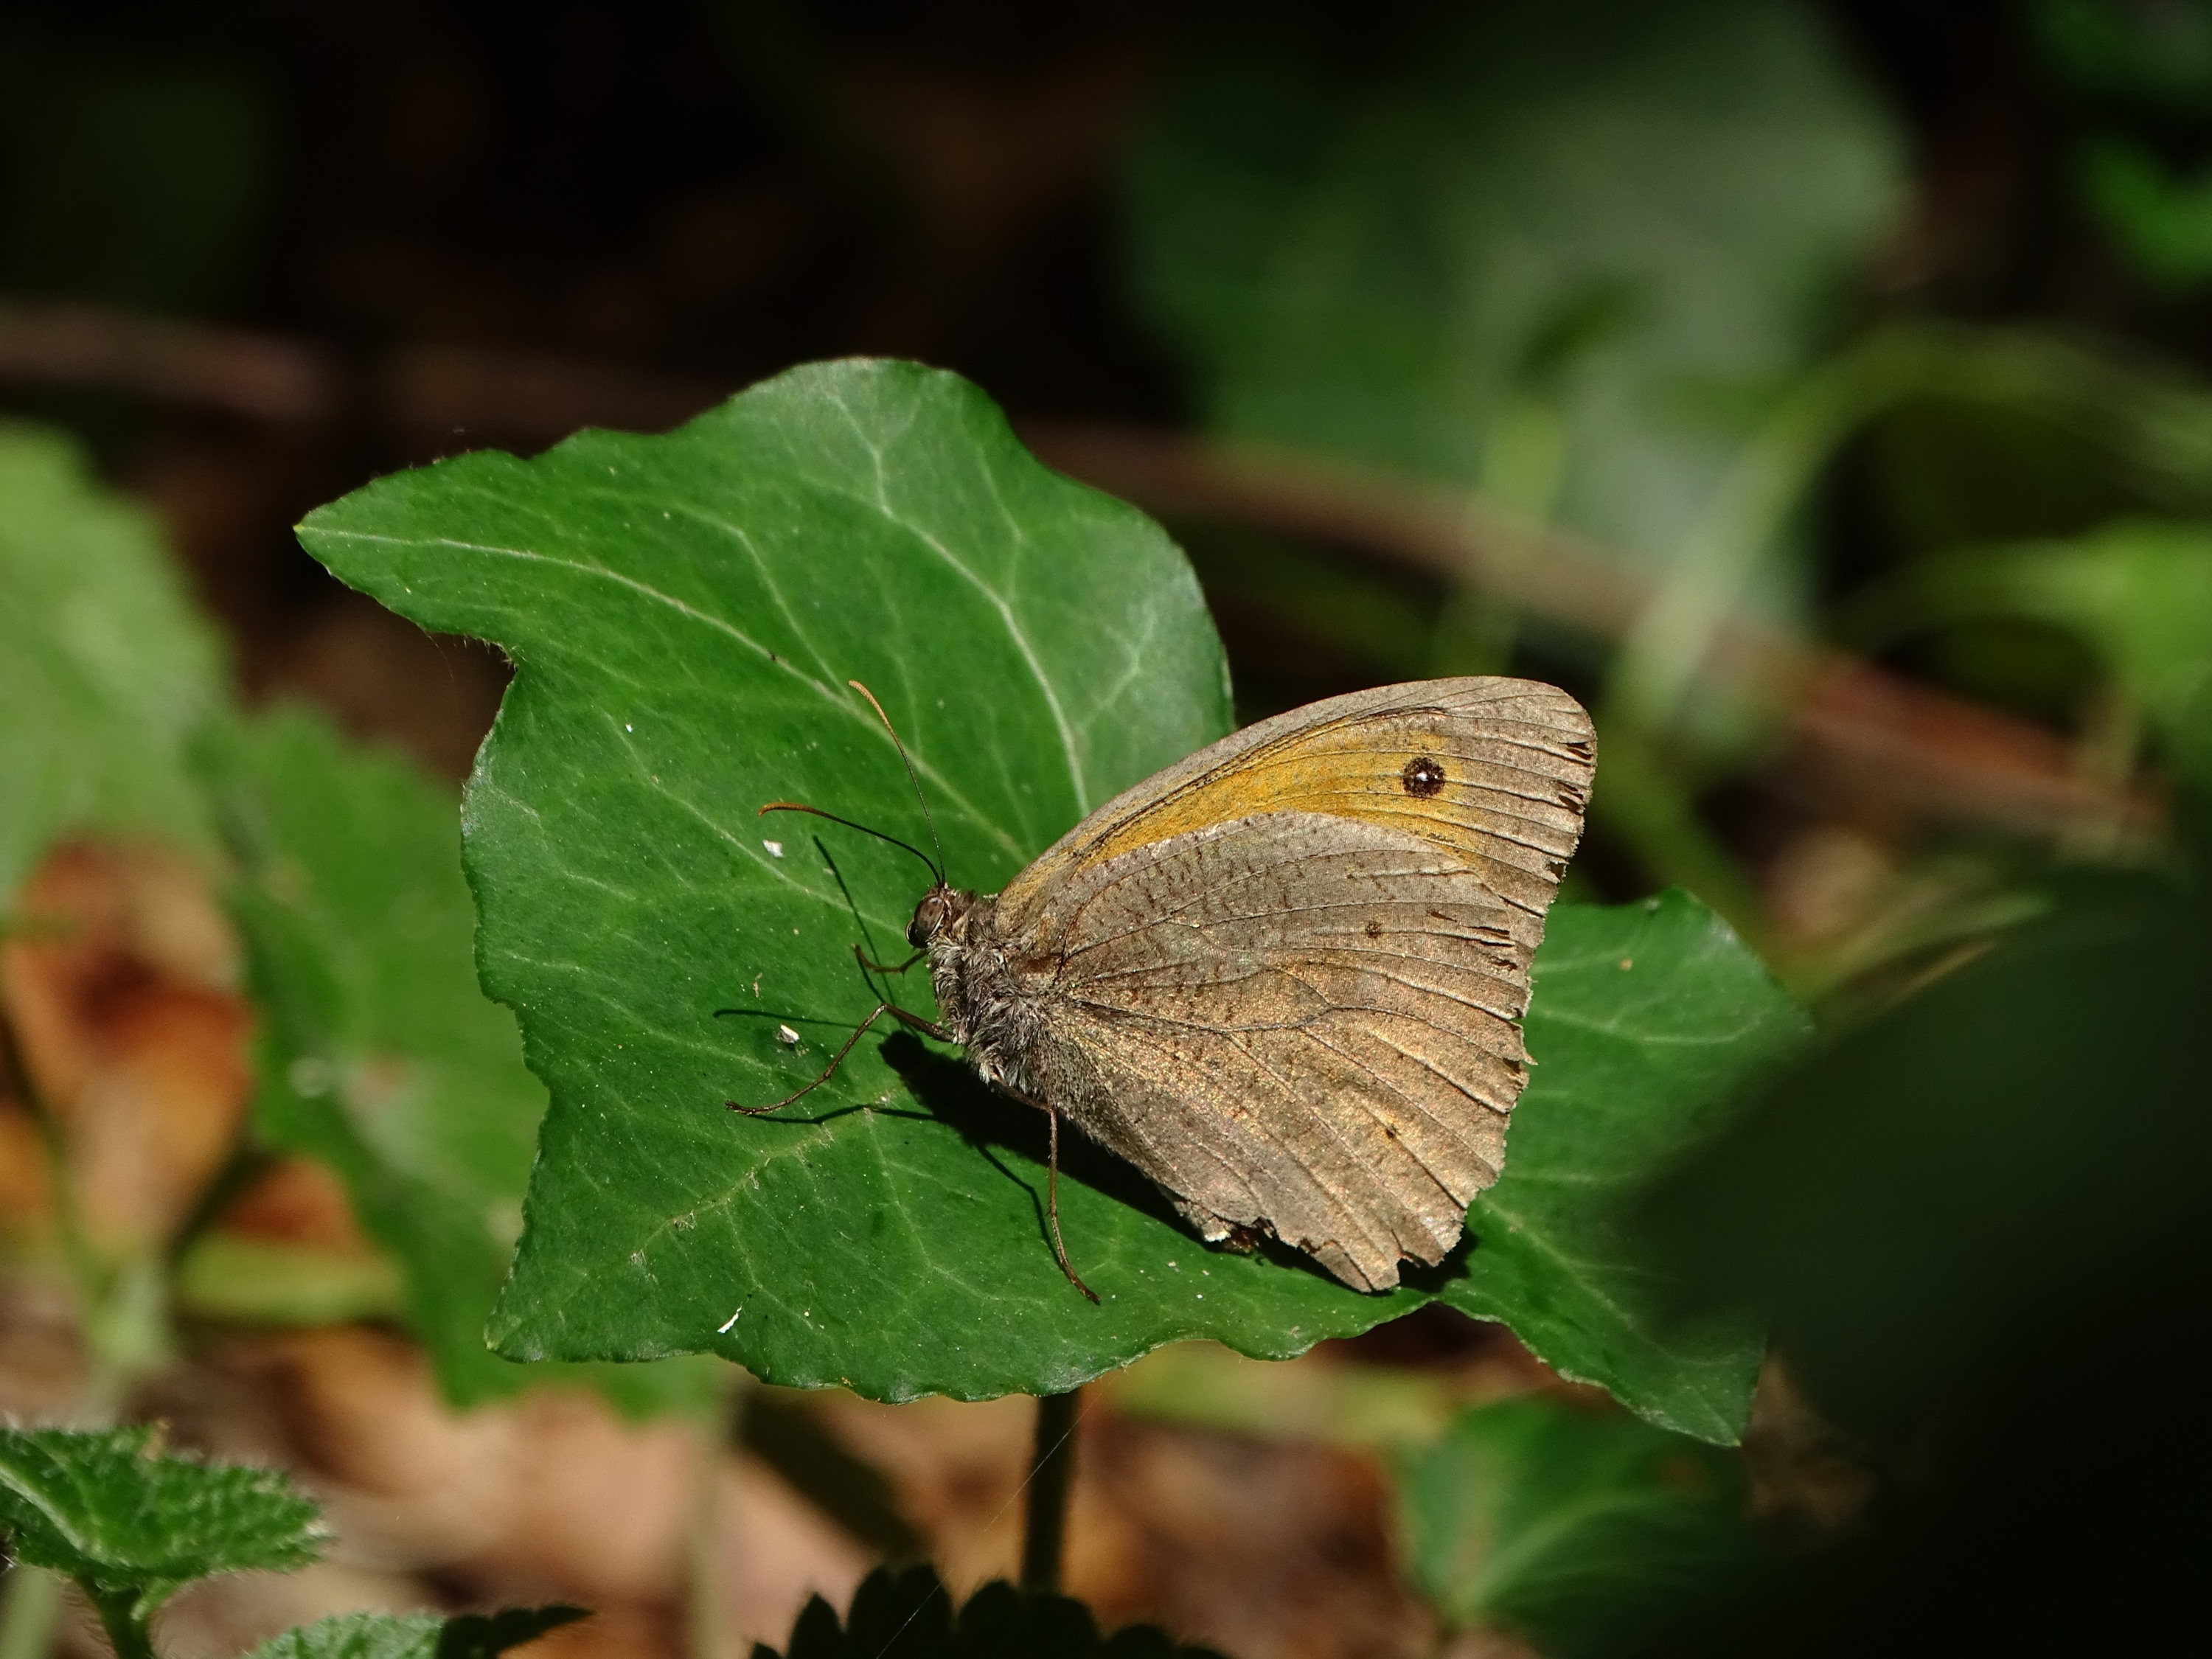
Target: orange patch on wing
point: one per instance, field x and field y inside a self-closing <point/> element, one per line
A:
<point x="1352" y="768"/>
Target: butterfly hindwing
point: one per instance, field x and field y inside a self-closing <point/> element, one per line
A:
<point x="1285" y="977"/>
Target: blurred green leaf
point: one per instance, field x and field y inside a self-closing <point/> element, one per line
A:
<point x="682" y="612"/>
<point x="2161" y="217"/>
<point x="1975" y="1222"/>
<point x="130" y="1526"/>
<point x="1568" y="252"/>
<point x="2114" y="52"/>
<point x="1575" y="1531"/>
<point x="104" y="670"/>
<point x="416" y="1635"/>
<point x="1203" y="1386"/>
<point x="2139" y="593"/>
<point x="379" y="1057"/>
<point x="251" y="1281"/>
<point x="2025" y="1134"/>
<point x="906" y="1613"/>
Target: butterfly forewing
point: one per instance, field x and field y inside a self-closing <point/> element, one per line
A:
<point x="1506" y="778"/>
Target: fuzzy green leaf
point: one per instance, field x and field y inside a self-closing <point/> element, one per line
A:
<point x="357" y="1636"/>
<point x="417" y="1635"/>
<point x="130" y="1525"/>
<point x="684" y="612"/>
<point x="379" y="1057"/>
<point x="1573" y="1530"/>
<point x="105" y="669"/>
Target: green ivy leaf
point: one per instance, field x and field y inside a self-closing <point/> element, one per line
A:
<point x="378" y="1056"/>
<point x="130" y="1526"/>
<point x="417" y="1635"/>
<point x="1573" y="1530"/>
<point x="105" y="669"/>
<point x="684" y="612"/>
<point x="906" y="1613"/>
<point x="1648" y="1022"/>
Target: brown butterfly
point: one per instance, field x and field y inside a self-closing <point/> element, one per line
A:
<point x="1284" y="976"/>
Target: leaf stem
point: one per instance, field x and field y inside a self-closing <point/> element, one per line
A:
<point x="121" y="1615"/>
<point x="705" y="1624"/>
<point x="1052" y="1482"/>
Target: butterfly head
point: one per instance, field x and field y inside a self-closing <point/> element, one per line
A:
<point x="939" y="913"/>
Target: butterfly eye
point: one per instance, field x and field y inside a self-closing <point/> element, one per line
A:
<point x="1423" y="776"/>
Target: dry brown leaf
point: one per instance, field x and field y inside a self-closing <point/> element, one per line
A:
<point x="118" y="986"/>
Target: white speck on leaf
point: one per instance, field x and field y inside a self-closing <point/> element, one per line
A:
<point x="626" y="727"/>
<point x="786" y="1036"/>
<point x="774" y="848"/>
<point x="723" y="1329"/>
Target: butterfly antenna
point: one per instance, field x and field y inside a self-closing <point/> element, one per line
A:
<point x="913" y="777"/>
<point x="800" y="806"/>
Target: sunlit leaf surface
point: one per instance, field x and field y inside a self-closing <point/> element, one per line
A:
<point x="683" y="613"/>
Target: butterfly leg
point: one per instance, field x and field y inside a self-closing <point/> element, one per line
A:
<point x="927" y="1028"/>
<point x="879" y="968"/>
<point x="1052" y="1189"/>
<point x="1052" y="1205"/>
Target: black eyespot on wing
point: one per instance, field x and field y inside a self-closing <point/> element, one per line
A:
<point x="1423" y="776"/>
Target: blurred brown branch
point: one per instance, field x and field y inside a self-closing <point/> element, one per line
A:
<point x="428" y="389"/>
<point x="1852" y="726"/>
<point x="1853" y="729"/>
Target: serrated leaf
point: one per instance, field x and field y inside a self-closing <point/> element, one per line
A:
<point x="1573" y="1530"/>
<point x="379" y="1057"/>
<point x="103" y="1507"/>
<point x="104" y="670"/>
<point x="416" y="1635"/>
<point x="357" y="1636"/>
<point x="684" y="612"/>
<point x="1566" y="252"/>
<point x="906" y="1613"/>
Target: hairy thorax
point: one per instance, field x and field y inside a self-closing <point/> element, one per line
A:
<point x="987" y="1005"/>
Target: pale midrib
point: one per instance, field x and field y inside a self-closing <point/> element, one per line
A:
<point x="944" y="786"/>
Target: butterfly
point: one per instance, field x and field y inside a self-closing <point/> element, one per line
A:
<point x="1284" y="977"/>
